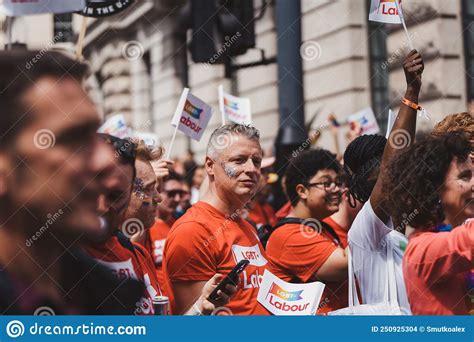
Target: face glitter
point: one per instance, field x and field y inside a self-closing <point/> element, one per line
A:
<point x="231" y="172"/>
<point x="138" y="185"/>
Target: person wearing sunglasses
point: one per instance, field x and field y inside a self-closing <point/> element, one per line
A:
<point x="301" y="247"/>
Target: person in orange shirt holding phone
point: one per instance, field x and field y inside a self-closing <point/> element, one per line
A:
<point x="212" y="236"/>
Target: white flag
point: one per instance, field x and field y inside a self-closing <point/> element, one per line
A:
<point x="116" y="126"/>
<point x="385" y="11"/>
<point x="192" y="115"/>
<point x="282" y="298"/>
<point x="15" y="8"/>
<point x="365" y="119"/>
<point x="391" y="120"/>
<point x="235" y="109"/>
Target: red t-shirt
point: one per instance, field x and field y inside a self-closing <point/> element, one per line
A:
<point x="341" y="232"/>
<point x="156" y="245"/>
<point x="126" y="263"/>
<point x="204" y="242"/>
<point x="262" y="214"/>
<point x="434" y="268"/>
<point x="295" y="256"/>
<point x="283" y="211"/>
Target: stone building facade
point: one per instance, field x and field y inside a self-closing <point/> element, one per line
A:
<point x="139" y="65"/>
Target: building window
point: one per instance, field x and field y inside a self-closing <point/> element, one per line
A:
<point x="63" y="28"/>
<point x="468" y="29"/>
<point x="379" y="70"/>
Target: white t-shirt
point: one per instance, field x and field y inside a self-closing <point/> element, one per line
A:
<point x="370" y="240"/>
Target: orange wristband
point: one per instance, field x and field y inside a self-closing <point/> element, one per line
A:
<point x="411" y="104"/>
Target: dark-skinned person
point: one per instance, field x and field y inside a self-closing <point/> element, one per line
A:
<point x="52" y="170"/>
<point x="212" y="236"/>
<point x="433" y="183"/>
<point x="374" y="243"/>
<point x="341" y="221"/>
<point x="301" y="247"/>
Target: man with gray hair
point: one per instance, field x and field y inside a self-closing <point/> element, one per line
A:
<point x="212" y="237"/>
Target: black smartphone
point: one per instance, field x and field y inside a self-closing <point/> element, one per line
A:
<point x="231" y="278"/>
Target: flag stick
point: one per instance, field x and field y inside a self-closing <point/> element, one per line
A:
<point x="9" y="22"/>
<point x="80" y="40"/>
<point x="168" y="153"/>
<point x="402" y="19"/>
<point x="221" y="103"/>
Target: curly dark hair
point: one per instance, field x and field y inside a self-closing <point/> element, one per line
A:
<point x="303" y="167"/>
<point x="362" y="160"/>
<point x="418" y="173"/>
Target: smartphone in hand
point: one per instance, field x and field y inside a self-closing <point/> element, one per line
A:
<point x="232" y="278"/>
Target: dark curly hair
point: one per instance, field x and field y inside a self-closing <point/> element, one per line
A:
<point x="303" y="167"/>
<point x="362" y="160"/>
<point x="418" y="173"/>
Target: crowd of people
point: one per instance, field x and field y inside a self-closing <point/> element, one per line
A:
<point x="94" y="224"/>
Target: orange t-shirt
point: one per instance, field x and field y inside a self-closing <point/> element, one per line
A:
<point x="126" y="263"/>
<point x="434" y="268"/>
<point x="283" y="211"/>
<point x="262" y="214"/>
<point x="204" y="242"/>
<point x="341" y="232"/>
<point x="155" y="246"/>
<point x="294" y="255"/>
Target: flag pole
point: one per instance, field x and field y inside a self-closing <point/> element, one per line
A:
<point x="9" y="22"/>
<point x="80" y="41"/>
<point x="402" y="19"/>
<point x="168" y="153"/>
<point x="221" y="103"/>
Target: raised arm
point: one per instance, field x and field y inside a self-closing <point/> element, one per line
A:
<point x="403" y="131"/>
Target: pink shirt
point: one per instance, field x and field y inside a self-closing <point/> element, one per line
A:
<point x="435" y="266"/>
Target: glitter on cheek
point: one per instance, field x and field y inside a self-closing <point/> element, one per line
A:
<point x="231" y="172"/>
<point x="138" y="185"/>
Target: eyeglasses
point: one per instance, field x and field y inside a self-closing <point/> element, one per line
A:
<point x="326" y="185"/>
